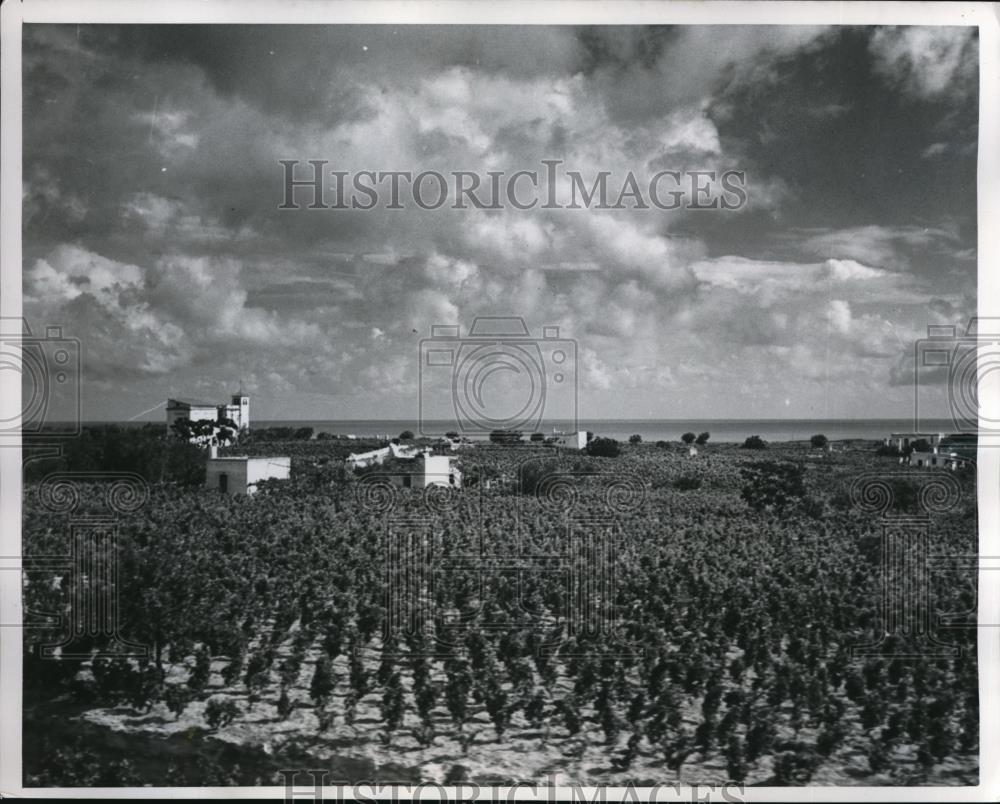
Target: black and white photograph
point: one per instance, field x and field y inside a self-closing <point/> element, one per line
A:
<point x="424" y="404"/>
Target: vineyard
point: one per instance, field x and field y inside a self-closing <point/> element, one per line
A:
<point x="643" y="618"/>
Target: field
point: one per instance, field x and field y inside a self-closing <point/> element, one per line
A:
<point x="648" y="617"/>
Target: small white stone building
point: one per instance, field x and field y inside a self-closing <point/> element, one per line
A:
<point x="240" y="474"/>
<point x="903" y="441"/>
<point x="440" y="470"/>
<point x="362" y="460"/>
<point x="434" y="470"/>
<point x="577" y="440"/>
<point x="935" y="458"/>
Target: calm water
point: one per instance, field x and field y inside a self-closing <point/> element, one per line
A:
<point x="722" y="430"/>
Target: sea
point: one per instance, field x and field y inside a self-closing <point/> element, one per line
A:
<point x="720" y="430"/>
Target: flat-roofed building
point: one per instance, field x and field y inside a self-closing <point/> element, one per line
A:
<point x="241" y="474"/>
<point x="902" y="441"/>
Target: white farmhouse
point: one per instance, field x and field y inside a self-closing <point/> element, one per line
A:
<point x="938" y="456"/>
<point x="240" y="474"/>
<point x="362" y="460"/>
<point x="440" y="470"/>
<point x="577" y="440"/>
<point x="902" y="441"/>
<point x="434" y="470"/>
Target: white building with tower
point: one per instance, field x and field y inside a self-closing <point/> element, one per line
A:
<point x="237" y="410"/>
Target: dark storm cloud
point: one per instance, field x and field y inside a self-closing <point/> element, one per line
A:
<point x="298" y="69"/>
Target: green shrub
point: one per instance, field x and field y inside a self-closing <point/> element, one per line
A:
<point x="604" y="448"/>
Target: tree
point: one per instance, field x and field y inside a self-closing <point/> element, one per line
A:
<point x="536" y="437"/>
<point x="735" y="762"/>
<point x="754" y="442"/>
<point x="854" y="685"/>
<point x="624" y="760"/>
<point x="878" y="756"/>
<point x="205" y="431"/>
<point x="322" y="683"/>
<point x="231" y="672"/>
<point x="284" y="705"/>
<point x="256" y="676"/>
<point x="676" y="750"/>
<point x="456" y="690"/>
<point x="177" y="697"/>
<point x="220" y="712"/>
<point x="604" y="448"/>
<point x="392" y="704"/>
<point x="496" y="706"/>
<point x="760" y="735"/>
<point x="358" y="675"/>
<point x="829" y="737"/>
<point x="406" y="435"/>
<point x="795" y="764"/>
<point x="569" y="710"/>
<point x="426" y="697"/>
<point x="635" y="439"/>
<point x="506" y="436"/>
<point x="535" y="711"/>
<point x="198" y="679"/>
<point x="702" y="439"/>
<point x="689" y="438"/>
<point x="819" y="441"/>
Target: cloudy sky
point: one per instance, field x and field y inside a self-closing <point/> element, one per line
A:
<point x="151" y="228"/>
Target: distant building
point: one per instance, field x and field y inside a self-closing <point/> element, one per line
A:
<point x="950" y="452"/>
<point x="440" y="470"/>
<point x="362" y="460"/>
<point x="240" y="474"/>
<point x="237" y="410"/>
<point x="435" y="470"/>
<point x="422" y="467"/>
<point x="903" y="441"/>
<point x="577" y="440"/>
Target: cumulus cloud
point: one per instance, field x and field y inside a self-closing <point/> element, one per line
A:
<point x="174" y="313"/>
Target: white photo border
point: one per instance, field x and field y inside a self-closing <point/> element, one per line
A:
<point x="985" y="16"/>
